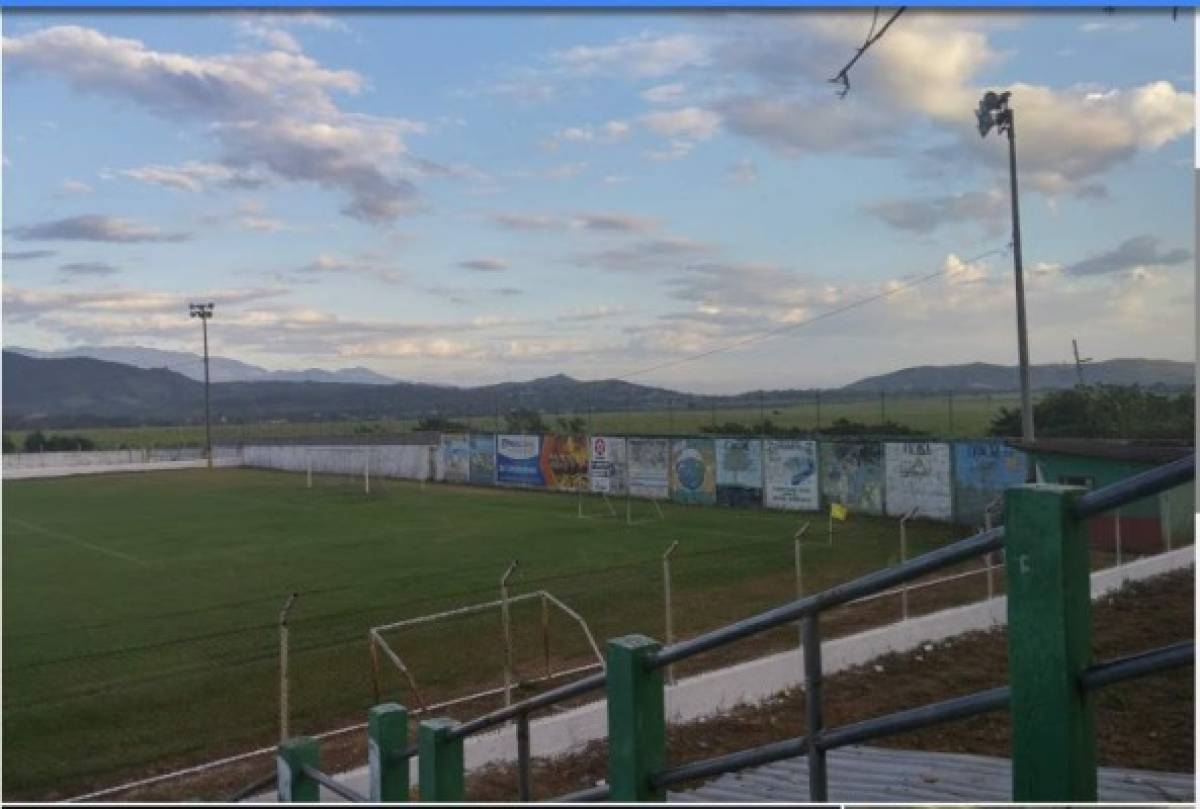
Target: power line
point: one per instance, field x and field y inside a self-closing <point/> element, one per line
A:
<point x="771" y="333"/>
<point x="843" y="76"/>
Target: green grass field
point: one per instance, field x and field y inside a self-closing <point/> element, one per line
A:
<point x="140" y="609"/>
<point x="965" y="417"/>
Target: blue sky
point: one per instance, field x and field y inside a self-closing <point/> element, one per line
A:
<point x="473" y="197"/>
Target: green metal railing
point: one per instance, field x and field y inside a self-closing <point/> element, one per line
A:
<point x="1051" y="677"/>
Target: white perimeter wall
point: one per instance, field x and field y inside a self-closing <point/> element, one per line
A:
<point x="412" y="461"/>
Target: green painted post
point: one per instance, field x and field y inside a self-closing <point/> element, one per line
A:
<point x="293" y="785"/>
<point x="441" y="761"/>
<point x="387" y="739"/>
<point x="637" y="733"/>
<point x="1049" y="644"/>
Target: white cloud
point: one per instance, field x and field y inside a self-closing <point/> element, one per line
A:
<point x="742" y="172"/>
<point x="643" y="56"/>
<point x="365" y="266"/>
<point x="671" y="93"/>
<point x="988" y="209"/>
<point x="195" y="176"/>
<point x="94" y="228"/>
<point x="270" y="111"/>
<point x="488" y="264"/>
<point x="75" y="187"/>
<point x="693" y="123"/>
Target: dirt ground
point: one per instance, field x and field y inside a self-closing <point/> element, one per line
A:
<point x="1146" y="724"/>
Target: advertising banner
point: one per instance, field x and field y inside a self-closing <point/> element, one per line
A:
<point x="455" y="458"/>
<point x="606" y="464"/>
<point x="647" y="468"/>
<point x="518" y="460"/>
<point x="982" y="471"/>
<point x="739" y="471"/>
<point x="852" y="475"/>
<point x="483" y="459"/>
<point x="918" y="476"/>
<point x="564" y="462"/>
<point x="694" y="471"/>
<point x="792" y="478"/>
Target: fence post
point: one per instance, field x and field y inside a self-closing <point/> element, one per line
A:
<point x="1049" y="644"/>
<point x="293" y="785"/>
<point x="668" y="613"/>
<point x="440" y="761"/>
<point x="284" y="688"/>
<point x="818" y="787"/>
<point x="387" y="739"/>
<point x="637" y="740"/>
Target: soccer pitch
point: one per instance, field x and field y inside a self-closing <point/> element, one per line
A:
<point x="140" y="610"/>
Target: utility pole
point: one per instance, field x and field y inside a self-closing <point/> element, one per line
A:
<point x="204" y="311"/>
<point x="1078" y="361"/>
<point x="994" y="112"/>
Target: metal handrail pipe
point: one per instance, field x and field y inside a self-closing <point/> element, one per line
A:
<point x="732" y="762"/>
<point x="589" y="795"/>
<point x="266" y="782"/>
<point x="1153" y="481"/>
<point x="934" y="713"/>
<point x="593" y="682"/>
<point x="960" y="551"/>
<point x="1109" y="672"/>
<point x="333" y="785"/>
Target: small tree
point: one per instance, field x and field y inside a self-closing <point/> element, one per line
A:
<point x="572" y="425"/>
<point x="35" y="441"/>
<point x="524" y="420"/>
<point x="9" y="446"/>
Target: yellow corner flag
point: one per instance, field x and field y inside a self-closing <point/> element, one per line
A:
<point x="838" y="512"/>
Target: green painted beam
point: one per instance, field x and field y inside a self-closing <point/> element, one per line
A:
<point x="637" y="736"/>
<point x="441" y="761"/>
<point x="387" y="739"/>
<point x="293" y="786"/>
<point x="1049" y="645"/>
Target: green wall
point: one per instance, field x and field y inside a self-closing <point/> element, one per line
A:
<point x="1181" y="500"/>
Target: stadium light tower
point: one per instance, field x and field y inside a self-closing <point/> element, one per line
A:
<point x="994" y="111"/>
<point x="204" y="311"/>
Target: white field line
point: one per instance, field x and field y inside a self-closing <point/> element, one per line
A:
<point x="74" y="540"/>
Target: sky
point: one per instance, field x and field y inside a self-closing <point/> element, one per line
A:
<point x="669" y="198"/>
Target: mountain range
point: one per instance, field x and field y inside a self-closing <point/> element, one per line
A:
<point x="220" y="369"/>
<point x="53" y="391"/>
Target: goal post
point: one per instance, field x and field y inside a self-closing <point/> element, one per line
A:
<point x="586" y="512"/>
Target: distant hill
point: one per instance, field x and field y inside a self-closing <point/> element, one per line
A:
<point x="81" y="391"/>
<point x="979" y="377"/>
<point x="221" y="369"/>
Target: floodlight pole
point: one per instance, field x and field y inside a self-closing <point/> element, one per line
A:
<point x="204" y="311"/>
<point x="1019" y="273"/>
<point x="994" y="111"/>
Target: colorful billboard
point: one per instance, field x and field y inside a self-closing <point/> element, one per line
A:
<point x="606" y="464"/>
<point x="483" y="459"/>
<point x="791" y="476"/>
<point x="518" y="460"/>
<point x="982" y="471"/>
<point x="455" y="459"/>
<point x="739" y="471"/>
<point x="918" y="477"/>
<point x="694" y="471"/>
<point x="564" y="462"/>
<point x="852" y="475"/>
<point x="648" y="467"/>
